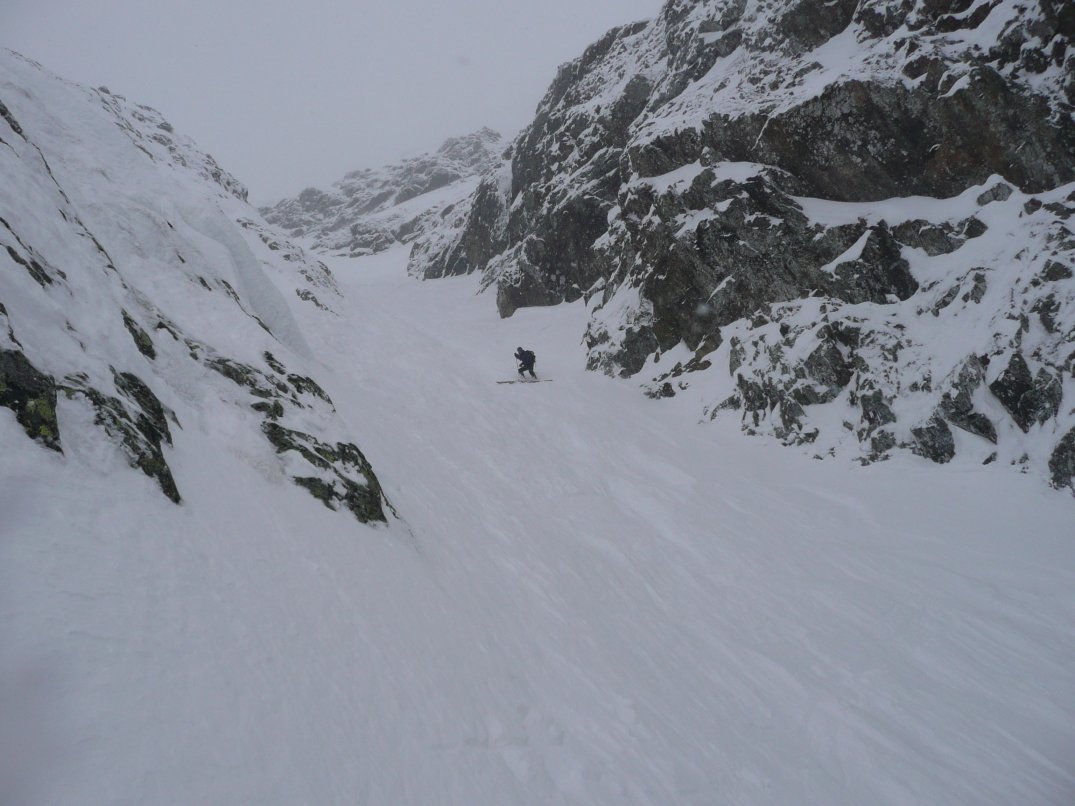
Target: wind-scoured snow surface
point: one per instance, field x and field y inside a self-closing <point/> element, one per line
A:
<point x="591" y="598"/>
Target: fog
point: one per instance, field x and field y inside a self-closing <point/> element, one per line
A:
<point x="289" y="95"/>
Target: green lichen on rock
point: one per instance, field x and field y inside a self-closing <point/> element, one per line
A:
<point x="300" y="383"/>
<point x="273" y="411"/>
<point x="304" y="385"/>
<point x="345" y="476"/>
<point x="31" y="395"/>
<point x="152" y="420"/>
<point x="338" y="473"/>
<point x="255" y="381"/>
<point x="274" y="363"/>
<point x="139" y="432"/>
<point x="141" y="339"/>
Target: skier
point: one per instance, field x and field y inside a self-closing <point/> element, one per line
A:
<point x="526" y="359"/>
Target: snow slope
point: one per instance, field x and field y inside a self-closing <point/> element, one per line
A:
<point x="590" y="598"/>
<point x="143" y="302"/>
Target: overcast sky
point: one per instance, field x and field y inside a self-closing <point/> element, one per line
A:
<point x="289" y="94"/>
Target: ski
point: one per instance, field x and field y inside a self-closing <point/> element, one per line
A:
<point x="533" y="380"/>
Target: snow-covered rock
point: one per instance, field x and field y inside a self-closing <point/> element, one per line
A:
<point x="847" y="219"/>
<point x="142" y="297"/>
<point x="368" y="211"/>
<point x="594" y="598"/>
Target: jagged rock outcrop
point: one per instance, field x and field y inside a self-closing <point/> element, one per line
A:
<point x="28" y="393"/>
<point x="369" y="211"/>
<point x="858" y="206"/>
<point x="1062" y="461"/>
<point x="137" y="292"/>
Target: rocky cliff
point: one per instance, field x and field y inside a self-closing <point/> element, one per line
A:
<point x="142" y="299"/>
<point x="845" y="223"/>
<point x="368" y="211"/>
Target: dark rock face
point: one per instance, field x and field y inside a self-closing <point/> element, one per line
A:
<point x="875" y="411"/>
<point x="889" y="141"/>
<point x="344" y="476"/>
<point x="1056" y="271"/>
<point x="136" y="420"/>
<point x="33" y="268"/>
<point x="958" y="408"/>
<point x="809" y="23"/>
<point x="364" y="213"/>
<point x="481" y="220"/>
<point x="1012" y="387"/>
<point x="1029" y="399"/>
<point x="31" y="395"/>
<point x="859" y="139"/>
<point x="138" y="425"/>
<point x="933" y="440"/>
<point x="1062" y="461"/>
<point x="933" y="239"/>
<point x="753" y="247"/>
<point x="141" y="339"/>
<point x="709" y="181"/>
<point x="338" y="473"/>
<point x="827" y="368"/>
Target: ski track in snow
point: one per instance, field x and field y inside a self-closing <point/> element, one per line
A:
<point x="592" y="598"/>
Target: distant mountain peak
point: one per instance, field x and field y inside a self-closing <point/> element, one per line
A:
<point x="369" y="210"/>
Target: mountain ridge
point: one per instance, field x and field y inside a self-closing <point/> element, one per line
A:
<point x="593" y="598"/>
<point x="370" y="210"/>
<point x="142" y="296"/>
<point x="708" y="174"/>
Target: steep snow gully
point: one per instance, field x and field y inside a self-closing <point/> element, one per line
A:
<point x="590" y="598"/>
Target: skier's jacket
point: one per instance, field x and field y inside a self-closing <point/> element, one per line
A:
<point x="525" y="357"/>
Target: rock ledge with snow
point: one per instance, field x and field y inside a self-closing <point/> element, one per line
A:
<point x="846" y="223"/>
